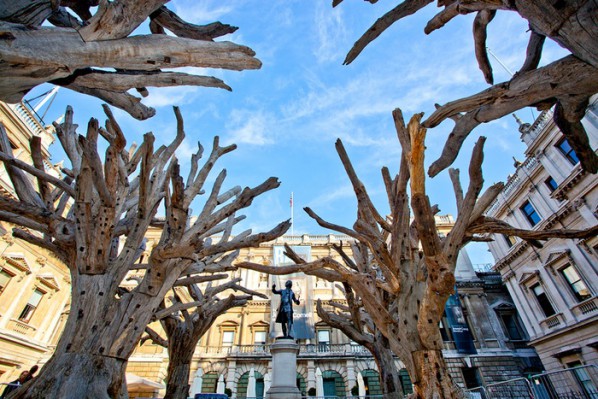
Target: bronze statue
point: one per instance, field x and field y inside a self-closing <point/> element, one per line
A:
<point x="285" y="310"/>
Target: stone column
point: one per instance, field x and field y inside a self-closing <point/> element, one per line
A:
<point x="351" y="377"/>
<point x="311" y="374"/>
<point x="284" y="370"/>
<point x="230" y="376"/>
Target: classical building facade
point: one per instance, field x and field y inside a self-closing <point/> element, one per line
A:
<point x="554" y="287"/>
<point x="236" y="347"/>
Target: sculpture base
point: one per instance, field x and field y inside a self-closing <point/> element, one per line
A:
<point x="283" y="393"/>
<point x="284" y="370"/>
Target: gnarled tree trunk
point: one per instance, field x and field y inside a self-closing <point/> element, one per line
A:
<point x="101" y="237"/>
<point x="402" y="271"/>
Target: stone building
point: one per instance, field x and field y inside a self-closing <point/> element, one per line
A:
<point x="236" y="347"/>
<point x="554" y="287"/>
<point x="34" y="285"/>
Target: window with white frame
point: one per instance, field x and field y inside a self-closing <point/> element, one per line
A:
<point x="551" y="184"/>
<point x="566" y="149"/>
<point x="259" y="337"/>
<point x="31" y="306"/>
<point x="228" y="338"/>
<point x="530" y="213"/>
<point x="577" y="286"/>
<point x="323" y="340"/>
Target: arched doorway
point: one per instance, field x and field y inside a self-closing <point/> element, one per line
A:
<point x="244" y="381"/>
<point x="371" y="380"/>
<point x="209" y="382"/>
<point x="334" y="385"/>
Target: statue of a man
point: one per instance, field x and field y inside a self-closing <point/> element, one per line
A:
<point x="285" y="311"/>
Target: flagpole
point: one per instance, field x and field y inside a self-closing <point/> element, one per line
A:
<point x="292" y="215"/>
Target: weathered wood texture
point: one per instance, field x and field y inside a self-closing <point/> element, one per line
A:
<point x="352" y="320"/>
<point x="185" y="322"/>
<point x="567" y="83"/>
<point x="71" y="53"/>
<point x="401" y="273"/>
<point x="101" y="237"/>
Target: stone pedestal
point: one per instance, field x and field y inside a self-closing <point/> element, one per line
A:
<point x="284" y="370"/>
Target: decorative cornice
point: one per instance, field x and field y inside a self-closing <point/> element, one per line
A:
<point x="515" y="252"/>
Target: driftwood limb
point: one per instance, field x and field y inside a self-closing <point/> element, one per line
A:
<point x="572" y="25"/>
<point x="77" y="54"/>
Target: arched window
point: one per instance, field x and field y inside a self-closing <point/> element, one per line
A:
<point x="244" y="382"/>
<point x="209" y="382"/>
<point x="371" y="380"/>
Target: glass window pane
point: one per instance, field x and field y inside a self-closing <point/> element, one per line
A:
<point x="228" y="338"/>
<point x="530" y="213"/>
<point x="259" y="337"/>
<point x="4" y="279"/>
<point x="36" y="297"/>
<point x="323" y="336"/>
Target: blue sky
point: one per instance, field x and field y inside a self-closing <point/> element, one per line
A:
<point x="286" y="116"/>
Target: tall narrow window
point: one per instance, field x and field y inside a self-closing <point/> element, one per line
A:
<point x="565" y="148"/>
<point x="4" y="279"/>
<point x="551" y="184"/>
<point x="323" y="340"/>
<point x="530" y="213"/>
<point x="512" y="327"/>
<point x="543" y="300"/>
<point x="576" y="284"/>
<point x="32" y="304"/>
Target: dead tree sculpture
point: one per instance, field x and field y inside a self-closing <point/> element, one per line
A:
<point x="96" y="54"/>
<point x="357" y="324"/>
<point x="404" y="271"/>
<point x="568" y="82"/>
<point x="95" y="220"/>
<point x="184" y="323"/>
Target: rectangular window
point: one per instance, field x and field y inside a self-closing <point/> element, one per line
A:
<point x="32" y="304"/>
<point x="445" y="332"/>
<point x="510" y="240"/>
<point x="323" y="336"/>
<point x="530" y="213"/>
<point x="543" y="300"/>
<point x="4" y="280"/>
<point x="565" y="148"/>
<point x="259" y="338"/>
<point x="551" y="184"/>
<point x="323" y="340"/>
<point x="228" y="337"/>
<point x="576" y="284"/>
<point x="471" y="377"/>
<point x="511" y="326"/>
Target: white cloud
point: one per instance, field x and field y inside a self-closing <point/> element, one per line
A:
<point x="168" y="96"/>
<point x="250" y="127"/>
<point x="202" y="12"/>
<point x="330" y="32"/>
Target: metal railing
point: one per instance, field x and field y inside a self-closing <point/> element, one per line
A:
<point x="304" y="350"/>
<point x="572" y="383"/>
